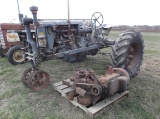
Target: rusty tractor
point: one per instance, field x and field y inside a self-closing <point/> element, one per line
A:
<point x="13" y="40"/>
<point x="73" y="40"/>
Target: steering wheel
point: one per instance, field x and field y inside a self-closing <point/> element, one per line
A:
<point x="97" y="19"/>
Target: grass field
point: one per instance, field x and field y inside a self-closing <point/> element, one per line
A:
<point x="20" y="102"/>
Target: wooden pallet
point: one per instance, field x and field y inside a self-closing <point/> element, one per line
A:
<point x="94" y="110"/>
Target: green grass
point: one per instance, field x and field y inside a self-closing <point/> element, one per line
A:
<point x="19" y="102"/>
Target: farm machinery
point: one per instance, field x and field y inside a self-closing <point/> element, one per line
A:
<point x="13" y="39"/>
<point x="90" y="88"/>
<point x="73" y="40"/>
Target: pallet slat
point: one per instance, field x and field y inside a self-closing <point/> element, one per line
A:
<point x="66" y="90"/>
<point x="106" y="102"/>
<point x="94" y="110"/>
<point x="61" y="87"/>
<point x="60" y="83"/>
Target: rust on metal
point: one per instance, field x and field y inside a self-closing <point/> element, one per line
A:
<point x="133" y="55"/>
<point x="15" y="27"/>
<point x="38" y="80"/>
<point x="71" y="95"/>
<point x="85" y="100"/>
<point x="91" y="88"/>
<point x="25" y="76"/>
<point x="7" y="26"/>
<point x="110" y="70"/>
<point x="80" y="91"/>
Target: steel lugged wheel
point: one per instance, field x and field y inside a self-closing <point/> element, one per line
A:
<point x="15" y="55"/>
<point x="38" y="80"/>
<point x="3" y="52"/>
<point x="25" y="76"/>
<point x="127" y="52"/>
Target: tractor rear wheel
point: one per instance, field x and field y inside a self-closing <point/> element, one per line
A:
<point x="15" y="55"/>
<point x="127" y="52"/>
<point x="3" y="52"/>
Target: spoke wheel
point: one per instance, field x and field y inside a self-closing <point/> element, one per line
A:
<point x="38" y="80"/>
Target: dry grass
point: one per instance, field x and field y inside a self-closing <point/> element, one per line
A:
<point x="18" y="101"/>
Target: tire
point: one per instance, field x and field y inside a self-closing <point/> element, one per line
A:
<point x="15" y="55"/>
<point x="25" y="76"/>
<point x="3" y="52"/>
<point x="127" y="52"/>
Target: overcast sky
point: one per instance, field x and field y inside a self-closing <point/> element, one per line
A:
<point x="115" y="12"/>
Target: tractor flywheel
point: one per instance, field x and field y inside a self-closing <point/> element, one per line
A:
<point x="38" y="80"/>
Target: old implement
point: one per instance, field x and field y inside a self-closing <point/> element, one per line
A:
<point x="35" y="79"/>
<point x="74" y="39"/>
<point x="94" y="93"/>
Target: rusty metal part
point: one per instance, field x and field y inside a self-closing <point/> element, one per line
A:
<point x="80" y="91"/>
<point x="25" y="76"/>
<point x="121" y="72"/>
<point x="71" y="95"/>
<point x="110" y="70"/>
<point x="7" y="26"/>
<point x="96" y="90"/>
<point x="38" y="80"/>
<point x="105" y="80"/>
<point x="85" y="100"/>
<point x="91" y="88"/>
<point x="133" y="55"/>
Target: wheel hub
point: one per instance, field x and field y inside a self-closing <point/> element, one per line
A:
<point x="38" y="80"/>
<point x="18" y="56"/>
<point x="133" y="56"/>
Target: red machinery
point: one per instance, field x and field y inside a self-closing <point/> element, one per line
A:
<point x="90" y="88"/>
<point x="13" y="36"/>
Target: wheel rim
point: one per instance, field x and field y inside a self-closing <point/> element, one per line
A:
<point x="133" y="56"/>
<point x="38" y="80"/>
<point x="18" y="56"/>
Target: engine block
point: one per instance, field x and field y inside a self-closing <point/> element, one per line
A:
<point x="91" y="88"/>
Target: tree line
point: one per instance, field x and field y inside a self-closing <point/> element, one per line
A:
<point x="140" y="27"/>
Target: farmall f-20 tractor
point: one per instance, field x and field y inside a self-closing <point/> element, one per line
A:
<point x="73" y="40"/>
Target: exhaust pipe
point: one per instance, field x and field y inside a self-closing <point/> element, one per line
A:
<point x="34" y="10"/>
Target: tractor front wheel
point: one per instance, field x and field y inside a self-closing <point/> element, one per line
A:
<point x="3" y="52"/>
<point x="127" y="52"/>
<point x="15" y="55"/>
